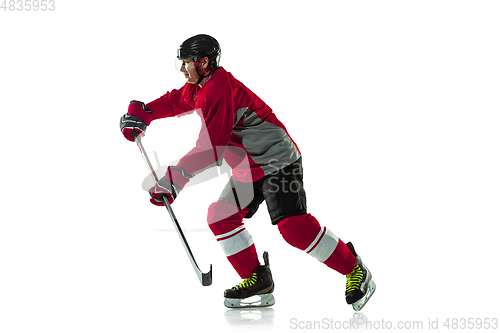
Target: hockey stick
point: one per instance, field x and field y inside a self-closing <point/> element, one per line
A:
<point x="205" y="278"/>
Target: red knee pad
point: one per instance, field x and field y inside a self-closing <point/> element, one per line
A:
<point x="223" y="217"/>
<point x="300" y="230"/>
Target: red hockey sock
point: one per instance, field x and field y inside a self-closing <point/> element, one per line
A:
<point x="226" y="222"/>
<point x="245" y="261"/>
<point x="342" y="260"/>
<point x="305" y="233"/>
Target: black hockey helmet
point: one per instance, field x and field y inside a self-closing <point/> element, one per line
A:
<point x="200" y="46"/>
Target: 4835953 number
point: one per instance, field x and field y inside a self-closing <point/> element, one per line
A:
<point x="471" y="323"/>
<point x="28" y="5"/>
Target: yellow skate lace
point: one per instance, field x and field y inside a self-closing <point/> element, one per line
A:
<point x="247" y="282"/>
<point x="354" y="279"/>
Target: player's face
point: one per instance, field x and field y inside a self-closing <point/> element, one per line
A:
<point x="189" y="71"/>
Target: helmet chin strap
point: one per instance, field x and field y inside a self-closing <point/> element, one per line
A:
<point x="202" y="77"/>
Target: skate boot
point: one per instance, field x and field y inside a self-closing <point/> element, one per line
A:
<point x="255" y="291"/>
<point x="359" y="286"/>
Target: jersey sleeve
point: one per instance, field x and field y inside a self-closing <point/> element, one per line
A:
<point x="174" y="103"/>
<point x="217" y="126"/>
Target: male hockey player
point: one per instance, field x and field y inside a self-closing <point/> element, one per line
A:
<point x="266" y="165"/>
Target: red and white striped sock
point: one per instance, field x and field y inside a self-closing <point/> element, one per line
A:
<point x="226" y="222"/>
<point x="305" y="233"/>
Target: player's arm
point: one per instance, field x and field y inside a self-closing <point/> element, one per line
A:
<point x="218" y="123"/>
<point x="173" y="103"/>
<point x="140" y="115"/>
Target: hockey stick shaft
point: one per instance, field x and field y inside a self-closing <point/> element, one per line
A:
<point x="205" y="278"/>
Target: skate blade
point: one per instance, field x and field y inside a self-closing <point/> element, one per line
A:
<point x="361" y="303"/>
<point x="256" y="301"/>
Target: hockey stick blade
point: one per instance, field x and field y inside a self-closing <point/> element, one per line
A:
<point x="205" y="278"/>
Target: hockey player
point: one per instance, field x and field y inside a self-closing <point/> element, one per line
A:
<point x="266" y="166"/>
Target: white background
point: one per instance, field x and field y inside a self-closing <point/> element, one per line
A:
<point x="394" y="105"/>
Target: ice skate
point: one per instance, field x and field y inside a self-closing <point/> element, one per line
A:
<point x="255" y="291"/>
<point x="359" y="286"/>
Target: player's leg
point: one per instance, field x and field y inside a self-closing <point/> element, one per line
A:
<point x="225" y="218"/>
<point x="305" y="233"/>
<point x="235" y="240"/>
<point x="286" y="200"/>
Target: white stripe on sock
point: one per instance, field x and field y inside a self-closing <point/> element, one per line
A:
<point x="232" y="232"/>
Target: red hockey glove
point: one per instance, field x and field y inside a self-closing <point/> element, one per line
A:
<point x="170" y="186"/>
<point x="137" y="120"/>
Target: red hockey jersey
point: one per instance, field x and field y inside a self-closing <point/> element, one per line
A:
<point x="236" y="125"/>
